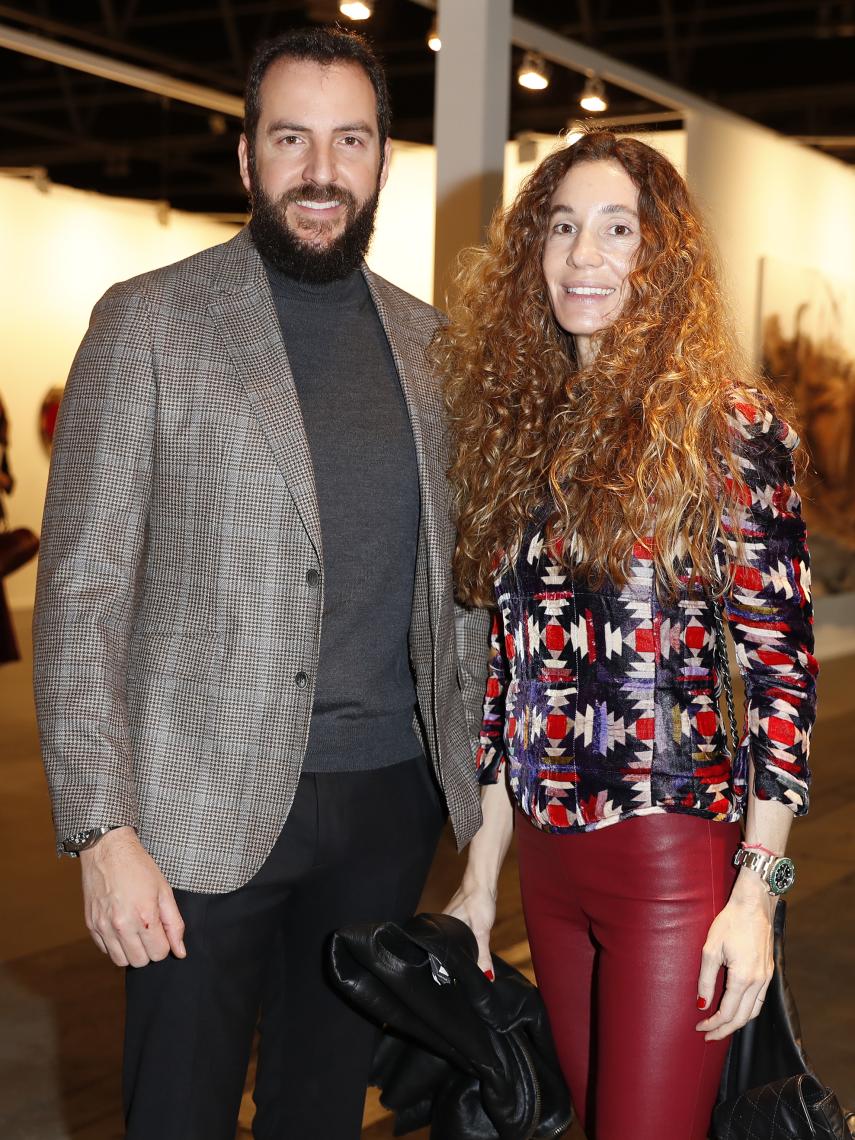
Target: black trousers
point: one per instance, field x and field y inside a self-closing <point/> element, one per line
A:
<point x="357" y="847"/>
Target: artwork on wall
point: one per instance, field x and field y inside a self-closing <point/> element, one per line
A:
<point x="47" y="415"/>
<point x="807" y="350"/>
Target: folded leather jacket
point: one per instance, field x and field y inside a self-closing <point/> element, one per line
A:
<point x="473" y="1059"/>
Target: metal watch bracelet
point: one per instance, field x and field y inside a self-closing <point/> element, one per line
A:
<point x="777" y="871"/>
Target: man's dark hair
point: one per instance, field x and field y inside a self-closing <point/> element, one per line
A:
<point x="319" y="45"/>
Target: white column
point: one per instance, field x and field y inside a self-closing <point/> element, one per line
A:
<point x="473" y="78"/>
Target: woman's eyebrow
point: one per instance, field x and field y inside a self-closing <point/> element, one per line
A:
<point x="617" y="209"/>
<point x="612" y="208"/>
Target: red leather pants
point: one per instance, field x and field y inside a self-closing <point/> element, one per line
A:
<point x="616" y="920"/>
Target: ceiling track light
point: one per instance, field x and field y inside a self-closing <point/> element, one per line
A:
<point x="533" y="72"/>
<point x="356" y="9"/>
<point x="433" y="40"/>
<point x="593" y="97"/>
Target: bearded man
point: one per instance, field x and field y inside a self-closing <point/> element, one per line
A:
<point x="255" y="695"/>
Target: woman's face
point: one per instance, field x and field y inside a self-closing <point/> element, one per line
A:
<point x="590" y="245"/>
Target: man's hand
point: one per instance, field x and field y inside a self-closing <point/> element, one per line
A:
<point x="129" y="907"/>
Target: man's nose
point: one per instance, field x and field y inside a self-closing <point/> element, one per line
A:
<point x="320" y="165"/>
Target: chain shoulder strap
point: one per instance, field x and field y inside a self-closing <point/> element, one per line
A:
<point x="724" y="670"/>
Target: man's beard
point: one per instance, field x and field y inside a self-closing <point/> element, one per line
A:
<point x="301" y="257"/>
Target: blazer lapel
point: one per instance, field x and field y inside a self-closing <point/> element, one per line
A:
<point x="416" y="379"/>
<point x="245" y="315"/>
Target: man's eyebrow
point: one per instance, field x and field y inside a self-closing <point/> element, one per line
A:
<point x="360" y="127"/>
<point x="283" y="125"/>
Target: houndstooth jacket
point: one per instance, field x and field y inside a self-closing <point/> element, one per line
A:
<point x="177" y="623"/>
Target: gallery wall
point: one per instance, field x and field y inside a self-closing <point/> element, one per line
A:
<point x="521" y="157"/>
<point x="762" y="196"/>
<point x="60" y="249"/>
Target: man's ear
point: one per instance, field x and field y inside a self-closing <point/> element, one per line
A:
<point x="387" y="158"/>
<point x="243" y="163"/>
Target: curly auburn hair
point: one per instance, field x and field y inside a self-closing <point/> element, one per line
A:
<point x="645" y="424"/>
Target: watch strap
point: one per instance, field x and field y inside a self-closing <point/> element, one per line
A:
<point x="72" y="845"/>
<point x="767" y="865"/>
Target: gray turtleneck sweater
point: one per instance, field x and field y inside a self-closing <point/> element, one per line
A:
<point x="367" y="484"/>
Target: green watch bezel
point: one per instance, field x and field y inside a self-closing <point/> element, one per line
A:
<point x="781" y="876"/>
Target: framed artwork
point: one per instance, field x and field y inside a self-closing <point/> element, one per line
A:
<point x="47" y="415"/>
<point x="807" y="350"/>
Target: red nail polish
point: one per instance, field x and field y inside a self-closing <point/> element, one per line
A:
<point x="702" y="1002"/>
<point x="489" y="975"/>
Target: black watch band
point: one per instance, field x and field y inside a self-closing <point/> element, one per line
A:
<point x="83" y="840"/>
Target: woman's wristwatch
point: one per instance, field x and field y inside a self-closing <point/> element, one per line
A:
<point x="777" y="871"/>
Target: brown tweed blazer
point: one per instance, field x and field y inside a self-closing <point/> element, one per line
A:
<point x="176" y="636"/>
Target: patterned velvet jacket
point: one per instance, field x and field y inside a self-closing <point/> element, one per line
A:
<point x="604" y="702"/>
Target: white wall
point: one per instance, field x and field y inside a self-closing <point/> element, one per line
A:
<point x="59" y="251"/>
<point x="402" y="248"/>
<point x="765" y="196"/>
<point x="670" y="143"/>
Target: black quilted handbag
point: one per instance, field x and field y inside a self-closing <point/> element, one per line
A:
<point x="769" y="1089"/>
<point x="795" y="1108"/>
<point x="472" y="1059"/>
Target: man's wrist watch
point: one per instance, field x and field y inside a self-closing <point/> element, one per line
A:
<point x="83" y="840"/>
<point x="777" y="871"/>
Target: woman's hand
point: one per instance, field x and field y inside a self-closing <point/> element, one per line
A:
<point x="476" y="906"/>
<point x="740" y="939"/>
<point x="475" y="901"/>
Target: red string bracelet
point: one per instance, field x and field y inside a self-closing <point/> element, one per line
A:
<point x="758" y="847"/>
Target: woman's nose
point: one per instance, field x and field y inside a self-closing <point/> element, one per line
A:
<point x="585" y="250"/>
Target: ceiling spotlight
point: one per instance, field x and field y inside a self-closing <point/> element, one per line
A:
<point x="433" y="40"/>
<point x="358" y="10"/>
<point x="217" y="124"/>
<point x="593" y="97"/>
<point x="533" y="72"/>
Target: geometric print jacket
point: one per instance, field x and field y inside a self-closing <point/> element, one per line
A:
<point x="604" y="703"/>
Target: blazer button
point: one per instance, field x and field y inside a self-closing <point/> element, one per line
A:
<point x="312" y="577"/>
<point x="301" y="680"/>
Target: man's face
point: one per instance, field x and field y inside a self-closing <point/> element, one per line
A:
<point x="313" y="171"/>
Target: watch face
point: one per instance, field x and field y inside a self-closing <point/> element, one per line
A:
<point x="782" y="876"/>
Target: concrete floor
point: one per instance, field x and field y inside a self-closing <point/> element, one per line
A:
<point x="61" y="1000"/>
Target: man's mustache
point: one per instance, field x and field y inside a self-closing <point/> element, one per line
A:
<point x="310" y="193"/>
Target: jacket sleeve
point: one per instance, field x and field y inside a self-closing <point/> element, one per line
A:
<point x="490" y="757"/>
<point x="92" y="543"/>
<point x="471" y="627"/>
<point x="770" y="613"/>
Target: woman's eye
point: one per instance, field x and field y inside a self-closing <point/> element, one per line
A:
<point x="564" y="228"/>
<point x="620" y="230"/>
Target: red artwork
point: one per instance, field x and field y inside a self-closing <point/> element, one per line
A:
<point x="47" y="415"/>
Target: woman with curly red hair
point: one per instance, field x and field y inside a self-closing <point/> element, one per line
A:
<point x="622" y="479"/>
